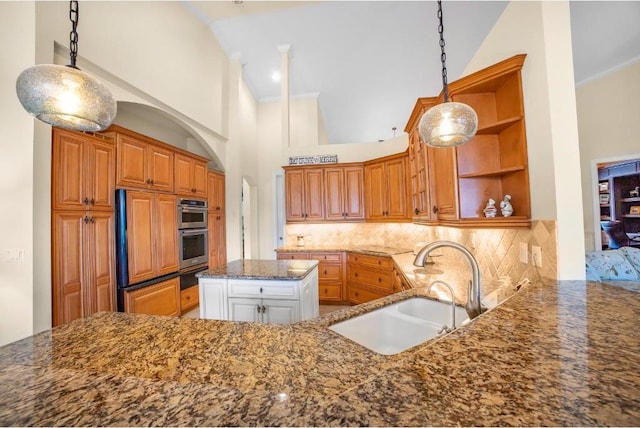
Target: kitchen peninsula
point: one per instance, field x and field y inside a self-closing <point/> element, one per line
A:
<point x="269" y="291"/>
<point x="555" y="353"/>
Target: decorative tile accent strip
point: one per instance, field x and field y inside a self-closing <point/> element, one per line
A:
<point x="309" y="160"/>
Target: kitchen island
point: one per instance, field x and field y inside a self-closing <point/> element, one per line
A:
<point x="270" y="291"/>
<point x="554" y="353"/>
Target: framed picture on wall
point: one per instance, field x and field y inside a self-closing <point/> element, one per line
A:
<point x="604" y="199"/>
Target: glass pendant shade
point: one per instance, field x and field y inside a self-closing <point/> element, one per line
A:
<point x="66" y="97"/>
<point x="448" y="124"/>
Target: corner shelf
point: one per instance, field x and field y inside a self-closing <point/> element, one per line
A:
<point x="493" y="173"/>
<point x="630" y="199"/>
<point x="498" y="126"/>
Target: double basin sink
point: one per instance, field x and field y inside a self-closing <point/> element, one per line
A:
<point x="400" y="326"/>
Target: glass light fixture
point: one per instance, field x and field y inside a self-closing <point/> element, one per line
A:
<point x="450" y="123"/>
<point x="66" y="96"/>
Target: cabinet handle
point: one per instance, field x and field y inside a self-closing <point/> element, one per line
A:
<point x="258" y="308"/>
<point x="85" y="201"/>
<point x="325" y="272"/>
<point x="355" y="274"/>
<point x="148" y="181"/>
<point x="85" y="219"/>
<point x="188" y="297"/>
<point x="417" y="211"/>
<point x="356" y="293"/>
<point x="260" y="290"/>
<point x="217" y="208"/>
<point x="92" y="201"/>
<point x="92" y="220"/>
<point x="435" y="209"/>
<point x="379" y="279"/>
<point x="264" y="309"/>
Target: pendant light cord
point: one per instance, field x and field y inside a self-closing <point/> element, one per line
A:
<point x="443" y="56"/>
<point x="74" y="14"/>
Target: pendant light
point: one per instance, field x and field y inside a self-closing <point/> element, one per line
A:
<point x="66" y="96"/>
<point x="450" y="123"/>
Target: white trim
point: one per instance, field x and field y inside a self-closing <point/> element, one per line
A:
<point x="276" y="242"/>
<point x="607" y="72"/>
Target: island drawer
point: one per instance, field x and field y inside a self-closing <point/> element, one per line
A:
<point x="259" y="288"/>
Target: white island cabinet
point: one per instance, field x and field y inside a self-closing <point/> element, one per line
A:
<point x="269" y="291"/>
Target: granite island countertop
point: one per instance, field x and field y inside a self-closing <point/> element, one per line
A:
<point x="554" y="353"/>
<point x="262" y="269"/>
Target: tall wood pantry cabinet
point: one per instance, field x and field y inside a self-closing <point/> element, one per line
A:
<point x="216" y="219"/>
<point x="82" y="222"/>
<point x="491" y="165"/>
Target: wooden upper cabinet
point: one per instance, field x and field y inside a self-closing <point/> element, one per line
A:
<point x="143" y="165"/>
<point x="304" y="194"/>
<point x="190" y="176"/>
<point x="494" y="163"/>
<point x="152" y="238"/>
<point x="216" y="191"/>
<point x="386" y="191"/>
<point x="83" y="170"/>
<point x="344" y="193"/>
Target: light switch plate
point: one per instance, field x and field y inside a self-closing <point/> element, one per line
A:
<point x="524" y="253"/>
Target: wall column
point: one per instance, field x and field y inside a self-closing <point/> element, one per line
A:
<point x="284" y="94"/>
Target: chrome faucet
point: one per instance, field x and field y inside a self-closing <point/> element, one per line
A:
<point x="453" y="306"/>
<point x="473" y="306"/>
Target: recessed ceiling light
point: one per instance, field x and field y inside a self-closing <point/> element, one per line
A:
<point x="275" y="76"/>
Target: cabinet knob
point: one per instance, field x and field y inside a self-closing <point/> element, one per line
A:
<point x="193" y="190"/>
<point x="85" y="219"/>
<point x="435" y="209"/>
<point x="379" y="279"/>
<point x="85" y="201"/>
<point x="325" y="272"/>
<point x="355" y="274"/>
<point x="416" y="211"/>
<point x="148" y="181"/>
<point x="188" y="297"/>
<point x="92" y="220"/>
<point x="92" y="201"/>
<point x="260" y="290"/>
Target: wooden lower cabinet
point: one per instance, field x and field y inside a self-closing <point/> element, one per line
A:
<point x="369" y="277"/>
<point x="162" y="298"/>
<point x="83" y="280"/>
<point x="189" y="299"/>
<point x="331" y="284"/>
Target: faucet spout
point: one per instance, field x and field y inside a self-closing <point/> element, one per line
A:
<point x="473" y="306"/>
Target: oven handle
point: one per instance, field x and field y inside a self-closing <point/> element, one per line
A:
<point x="192" y="231"/>
<point x="192" y="210"/>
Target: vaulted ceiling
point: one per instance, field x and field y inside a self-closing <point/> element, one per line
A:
<point x="368" y="61"/>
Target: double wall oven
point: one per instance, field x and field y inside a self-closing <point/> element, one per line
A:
<point x="193" y="248"/>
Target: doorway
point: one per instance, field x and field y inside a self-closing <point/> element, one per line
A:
<point x="614" y="181"/>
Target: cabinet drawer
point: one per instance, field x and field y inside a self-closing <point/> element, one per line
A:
<point x="373" y="261"/>
<point x="330" y="272"/>
<point x="359" y="295"/>
<point x="376" y="279"/>
<point x="329" y="292"/>
<point x="293" y="256"/>
<point x="189" y="298"/>
<point x="334" y="257"/>
<point x="280" y="289"/>
<point x="158" y="299"/>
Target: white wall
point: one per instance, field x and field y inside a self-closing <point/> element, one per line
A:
<point x="542" y="30"/>
<point x="608" y="113"/>
<point x="17" y="31"/>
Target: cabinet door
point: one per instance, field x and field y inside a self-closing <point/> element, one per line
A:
<point x="166" y="234"/>
<point x="68" y="170"/>
<point x="215" y="192"/>
<point x="140" y="236"/>
<point x="396" y="177"/>
<point x="241" y="309"/>
<point x="213" y="298"/>
<point x="313" y="192"/>
<point x="442" y="163"/>
<point x="101" y="175"/>
<point x="334" y="194"/>
<point x="280" y="311"/>
<point x="199" y="179"/>
<point x="69" y="249"/>
<point x="158" y="299"/>
<point x="354" y="192"/>
<point x="294" y="195"/>
<point x="101" y="284"/>
<point x="160" y="168"/>
<point x="375" y="191"/>
<point x="183" y="171"/>
<point x="132" y="164"/>
<point x="220" y="240"/>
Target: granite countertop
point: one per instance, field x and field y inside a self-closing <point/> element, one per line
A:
<point x="375" y="250"/>
<point x="262" y="269"/>
<point x="554" y="353"/>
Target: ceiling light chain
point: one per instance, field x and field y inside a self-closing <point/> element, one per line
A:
<point x="443" y="55"/>
<point x="74" y="15"/>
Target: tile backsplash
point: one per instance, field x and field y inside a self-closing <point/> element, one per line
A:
<point x="496" y="250"/>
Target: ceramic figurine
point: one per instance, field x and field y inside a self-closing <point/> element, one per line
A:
<point x="506" y="207"/>
<point x="490" y="210"/>
<point x="634" y="193"/>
